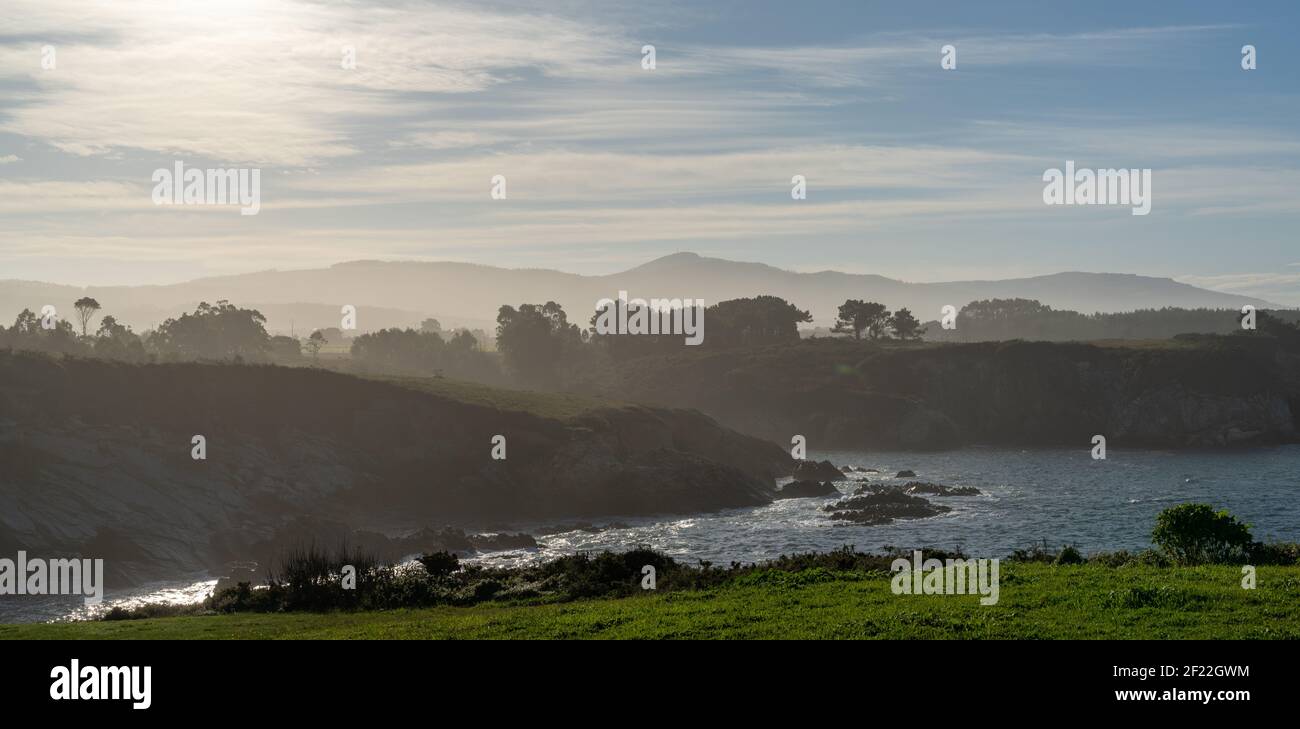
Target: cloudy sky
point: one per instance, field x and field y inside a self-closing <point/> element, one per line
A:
<point x="913" y="171"/>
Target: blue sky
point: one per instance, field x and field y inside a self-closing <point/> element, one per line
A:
<point x="913" y="171"/>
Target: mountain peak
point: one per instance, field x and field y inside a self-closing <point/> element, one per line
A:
<point x="672" y="259"/>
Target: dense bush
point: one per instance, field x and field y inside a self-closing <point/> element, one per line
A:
<point x="312" y="578"/>
<point x="1039" y="552"/>
<point x="1197" y="534"/>
<point x="1068" y="555"/>
<point x="440" y="564"/>
<point x="1277" y="553"/>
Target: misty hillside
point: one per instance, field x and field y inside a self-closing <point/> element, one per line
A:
<point x="852" y="395"/>
<point x="461" y="294"/>
<point x="95" y="457"/>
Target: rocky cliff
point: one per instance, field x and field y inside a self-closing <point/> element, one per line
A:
<point x="96" y="459"/>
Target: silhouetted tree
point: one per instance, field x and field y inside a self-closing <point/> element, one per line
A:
<point x="314" y="343"/>
<point x="219" y="331"/>
<point x="27" y="333"/>
<point x="626" y="345"/>
<point x="760" y="320"/>
<point x="905" y="325"/>
<point x="535" y="340"/>
<point x="26" y="323"/>
<point x="857" y="316"/>
<point x="86" y="308"/>
<point x="117" y="341"/>
<point x="463" y="341"/>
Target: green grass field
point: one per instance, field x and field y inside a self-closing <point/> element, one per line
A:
<point x="1038" y="601"/>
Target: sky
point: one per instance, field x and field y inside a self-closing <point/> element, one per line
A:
<point x="913" y="171"/>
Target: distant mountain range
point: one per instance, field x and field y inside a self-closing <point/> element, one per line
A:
<point x="402" y="293"/>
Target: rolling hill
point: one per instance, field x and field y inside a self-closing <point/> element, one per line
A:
<point x="400" y="293"/>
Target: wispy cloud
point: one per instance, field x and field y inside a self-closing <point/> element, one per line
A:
<point x="1282" y="288"/>
<point x="393" y="158"/>
<point x="893" y="58"/>
<point x="260" y="82"/>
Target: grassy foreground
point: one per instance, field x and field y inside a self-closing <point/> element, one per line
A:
<point x="1037" y="601"/>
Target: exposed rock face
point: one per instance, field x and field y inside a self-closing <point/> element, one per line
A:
<point x="917" y="487"/>
<point x="807" y="489"/>
<point x="905" y="474"/>
<point x="843" y="394"/>
<point x="883" y="508"/>
<point x="96" y="460"/>
<point x="454" y="540"/>
<point x="812" y="470"/>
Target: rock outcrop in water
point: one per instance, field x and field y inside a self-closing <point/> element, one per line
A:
<point x="95" y="459"/>
<point x="817" y="471"/>
<point x="883" y="508"/>
<point x="807" y="489"/>
<point x="913" y="488"/>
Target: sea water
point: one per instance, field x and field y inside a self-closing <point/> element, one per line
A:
<point x="1056" y="496"/>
